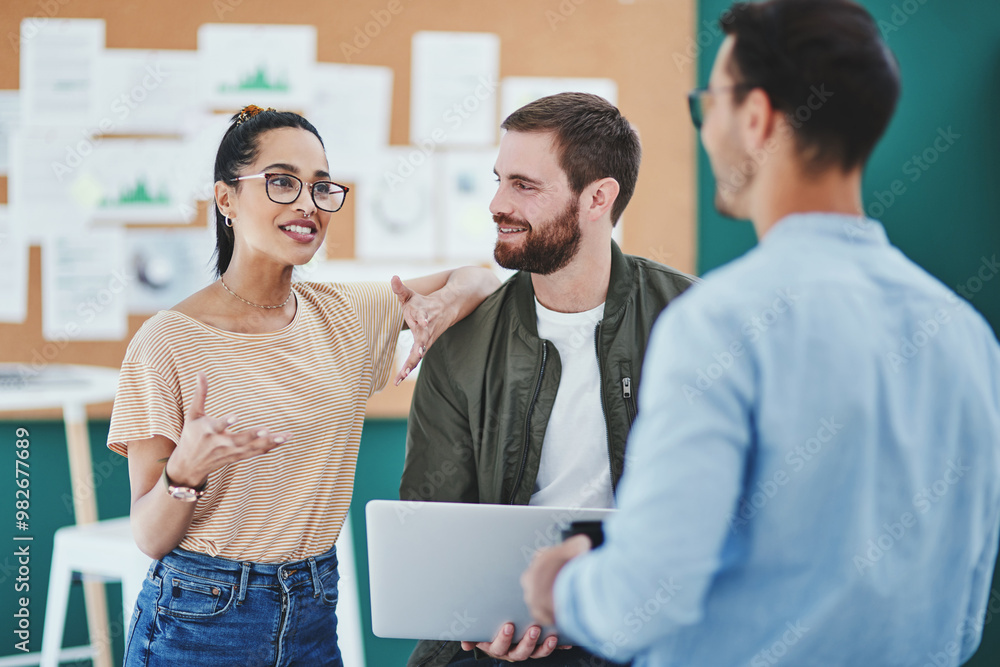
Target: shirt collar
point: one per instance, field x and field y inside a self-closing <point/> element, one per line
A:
<point x="853" y="229"/>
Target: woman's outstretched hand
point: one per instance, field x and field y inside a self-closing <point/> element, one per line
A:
<point x="209" y="443"/>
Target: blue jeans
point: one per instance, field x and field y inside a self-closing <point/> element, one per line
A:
<point x="197" y="610"/>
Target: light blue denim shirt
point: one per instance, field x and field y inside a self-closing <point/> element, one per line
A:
<point x="814" y="475"/>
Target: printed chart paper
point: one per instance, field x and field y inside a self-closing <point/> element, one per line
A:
<point x="467" y="187"/>
<point x="453" y="88"/>
<point x="59" y="69"/>
<point x="147" y="92"/>
<point x="351" y="108"/>
<point x="167" y="266"/>
<point x="84" y="286"/>
<point x="266" y="65"/>
<point x="50" y="187"/>
<point x="141" y="181"/>
<point x="397" y="208"/>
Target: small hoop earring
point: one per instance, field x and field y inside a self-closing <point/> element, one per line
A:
<point x="229" y="223"/>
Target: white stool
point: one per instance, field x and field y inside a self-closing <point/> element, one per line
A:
<point x="349" y="634"/>
<point x="104" y="548"/>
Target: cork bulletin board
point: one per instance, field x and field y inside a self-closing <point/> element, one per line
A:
<point x="645" y="46"/>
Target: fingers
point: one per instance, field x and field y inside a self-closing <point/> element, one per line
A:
<point x="402" y="291"/>
<point x="501" y="643"/>
<point x="416" y="354"/>
<point x="526" y="646"/>
<point x="250" y="443"/>
<point x="197" y="408"/>
<point x="547" y="647"/>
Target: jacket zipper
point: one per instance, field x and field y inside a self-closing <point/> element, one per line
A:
<point x="629" y="401"/>
<point x="527" y="423"/>
<point x="604" y="407"/>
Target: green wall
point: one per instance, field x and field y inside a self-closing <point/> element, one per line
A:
<point x="947" y="217"/>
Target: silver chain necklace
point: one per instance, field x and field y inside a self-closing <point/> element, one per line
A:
<point x="251" y="303"/>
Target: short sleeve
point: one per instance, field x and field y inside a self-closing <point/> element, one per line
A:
<point x="148" y="401"/>
<point x="381" y="317"/>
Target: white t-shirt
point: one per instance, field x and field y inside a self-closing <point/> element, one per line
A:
<point x="575" y="469"/>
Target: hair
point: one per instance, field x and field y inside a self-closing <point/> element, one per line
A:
<point x="824" y="64"/>
<point x="240" y="146"/>
<point x="593" y="140"/>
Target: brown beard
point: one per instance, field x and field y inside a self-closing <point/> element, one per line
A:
<point x="542" y="252"/>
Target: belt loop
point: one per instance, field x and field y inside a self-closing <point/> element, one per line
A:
<point x="243" y="582"/>
<point x="315" y="576"/>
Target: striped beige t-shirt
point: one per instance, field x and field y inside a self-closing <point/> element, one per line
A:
<point x="312" y="378"/>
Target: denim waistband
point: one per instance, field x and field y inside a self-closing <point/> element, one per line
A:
<point x="248" y="574"/>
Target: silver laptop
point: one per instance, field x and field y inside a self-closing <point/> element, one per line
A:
<point x="451" y="571"/>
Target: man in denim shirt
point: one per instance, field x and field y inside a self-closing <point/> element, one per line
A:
<point x="828" y="489"/>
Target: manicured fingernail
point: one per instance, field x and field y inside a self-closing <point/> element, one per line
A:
<point x="279" y="440"/>
<point x="230" y="420"/>
<point x="508" y="629"/>
<point x="261" y="433"/>
<point x="552" y="642"/>
<point x="533" y="633"/>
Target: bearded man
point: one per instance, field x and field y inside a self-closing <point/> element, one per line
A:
<point x="530" y="399"/>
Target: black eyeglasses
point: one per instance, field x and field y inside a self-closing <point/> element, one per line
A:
<point x="285" y="189"/>
<point x="700" y="101"/>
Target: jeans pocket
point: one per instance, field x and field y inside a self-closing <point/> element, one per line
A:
<point x="188" y="596"/>
<point x="329" y="581"/>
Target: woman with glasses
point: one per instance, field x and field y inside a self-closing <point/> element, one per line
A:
<point x="240" y="411"/>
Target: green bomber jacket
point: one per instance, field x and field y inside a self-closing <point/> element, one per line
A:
<point x="486" y="389"/>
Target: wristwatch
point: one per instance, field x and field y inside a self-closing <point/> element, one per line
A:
<point x="185" y="493"/>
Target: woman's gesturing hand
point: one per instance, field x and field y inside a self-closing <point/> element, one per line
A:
<point x="427" y="317"/>
<point x="209" y="443"/>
